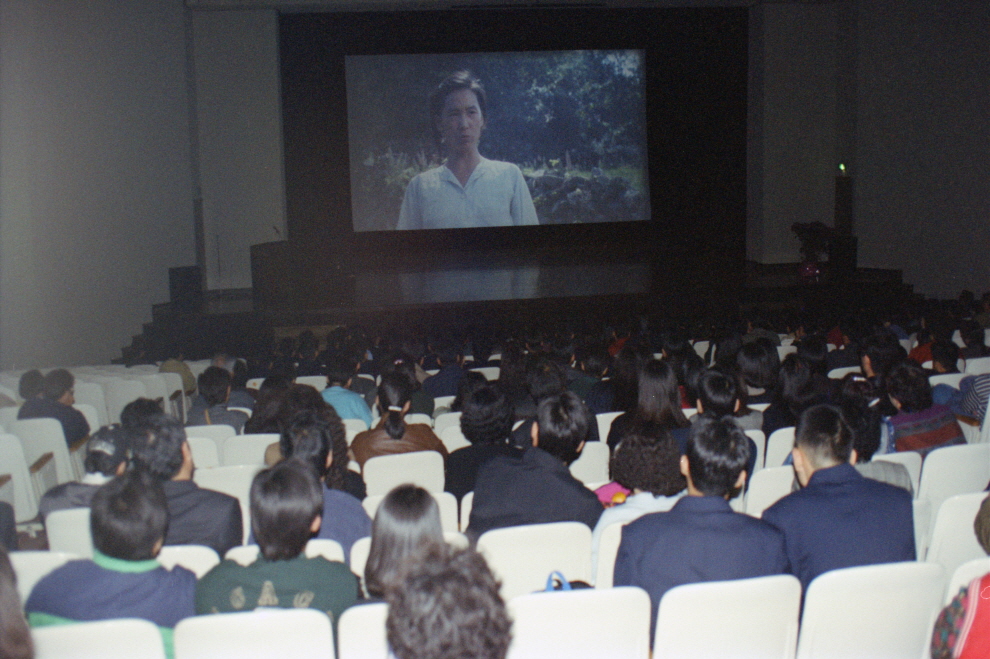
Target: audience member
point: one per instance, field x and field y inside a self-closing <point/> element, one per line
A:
<point x="286" y="502"/>
<point x="701" y="538"/>
<point x="106" y="457"/>
<point x="197" y="516"/>
<point x="846" y="353"/>
<point x="486" y="422"/>
<point x="15" y="637"/>
<point x="839" y="518"/>
<point x="56" y="403"/>
<point x="420" y="402"/>
<point x="658" y="410"/>
<point x="214" y="390"/>
<point x="406" y="526"/>
<point x="757" y="363"/>
<point x="857" y="402"/>
<point x="31" y="385"/>
<point x="919" y="425"/>
<point x="448" y="607"/>
<point x="974" y="393"/>
<point x="392" y="434"/>
<point x="945" y="358"/>
<point x="179" y="367"/>
<point x="268" y="406"/>
<point x="881" y="352"/>
<point x="239" y="395"/>
<point x="974" y="336"/>
<point x="797" y="389"/>
<point x="449" y="360"/>
<point x="128" y="522"/>
<point x="349" y="404"/>
<point x="536" y="486"/>
<point x="718" y="397"/>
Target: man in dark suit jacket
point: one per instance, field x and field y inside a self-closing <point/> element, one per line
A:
<point x="701" y="538"/>
<point x="536" y="486"/>
<point x="839" y="518"/>
<point x="196" y="516"/>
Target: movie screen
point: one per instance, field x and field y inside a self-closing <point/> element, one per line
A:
<point x="453" y="141"/>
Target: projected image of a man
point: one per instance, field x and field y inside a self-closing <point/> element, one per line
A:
<point x="468" y="190"/>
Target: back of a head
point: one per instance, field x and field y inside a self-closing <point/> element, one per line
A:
<point x="448" y="607"/>
<point x="156" y="445"/>
<point x="393" y="394"/>
<point x="884" y="351"/>
<point x="813" y="351"/>
<point x="824" y="436"/>
<point x="757" y="365"/>
<point x="544" y="378"/>
<point x="650" y="464"/>
<point x="406" y="524"/>
<point x="106" y="450"/>
<point x="945" y="353"/>
<point x="214" y="385"/>
<point x="284" y="502"/>
<point x="909" y="385"/>
<point x="31" y="385"/>
<point x="339" y="370"/>
<point x="486" y="415"/>
<point x="309" y="437"/>
<point x="57" y="383"/>
<point x="468" y="383"/>
<point x="625" y="373"/>
<point x="795" y="385"/>
<point x="717" y="452"/>
<point x="447" y="351"/>
<point x="136" y="412"/>
<point x="563" y="425"/>
<point x="659" y="399"/>
<point x="857" y="400"/>
<point x="594" y="359"/>
<point x="972" y="333"/>
<point x="718" y="392"/>
<point x="129" y="517"/>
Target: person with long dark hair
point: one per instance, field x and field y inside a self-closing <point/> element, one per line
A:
<point x="658" y="407"/>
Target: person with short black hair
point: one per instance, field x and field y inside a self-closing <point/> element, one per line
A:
<point x="56" y="402"/>
<point x="198" y="516"/>
<point x="106" y="457"/>
<point x="286" y="506"/>
<point x="448" y="607"/>
<point x="719" y="396"/>
<point x="701" y="538"/>
<point x="919" y="425"/>
<point x="214" y="389"/>
<point x="450" y="360"/>
<point x="838" y="518"/>
<point x="31" y="385"/>
<point x="349" y="404"/>
<point x="945" y="358"/>
<point x="128" y="522"/>
<point x="536" y="486"/>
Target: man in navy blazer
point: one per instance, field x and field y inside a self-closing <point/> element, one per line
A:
<point x="839" y="518"/>
<point x="701" y="538"/>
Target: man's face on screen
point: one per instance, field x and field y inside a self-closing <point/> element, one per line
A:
<point x="461" y="121"/>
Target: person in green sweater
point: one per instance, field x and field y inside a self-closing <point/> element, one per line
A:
<point x="286" y="508"/>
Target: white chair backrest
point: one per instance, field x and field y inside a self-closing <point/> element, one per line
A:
<point x="839" y="373"/>
<point x="91" y="414"/>
<point x="205" y="453"/>
<point x="921" y="514"/>
<point x="235" y="481"/>
<point x="608" y="549"/>
<point x="964" y="574"/>
<point x="453" y="438"/>
<point x="40" y="436"/>
<point x="31" y="566"/>
<point x="362" y="546"/>
<point x="173" y="386"/>
<point x="766" y="487"/>
<point x="742" y="618"/>
<point x="352" y="427"/>
<point x="605" y="420"/>
<point x="466" y="502"/>
<point x="197" y="558"/>
<point x="68" y="531"/>
<point x="318" y="382"/>
<point x="759" y="407"/>
<point x="328" y="549"/>
<point x="911" y="461"/>
<point x="217" y="432"/>
<point x="779" y="445"/>
<point x="258" y="634"/>
<point x="25" y="500"/>
<point x="247" y="449"/>
<point x="985" y="427"/>
<point x="243" y="554"/>
<point x="418" y="417"/>
<point x="490" y="372"/>
<point x="155" y="387"/>
<point x="954" y="470"/>
<point x="951" y="379"/>
<point x="446" y="420"/>
<point x="701" y="347"/>
<point x="954" y="541"/>
<point x="522" y="557"/>
<point x="361" y="632"/>
<point x="446" y="502"/>
<point x="132" y="638"/>
<point x="895" y="620"/>
<point x="783" y="351"/>
<point x="254" y="383"/>
<point x="91" y="393"/>
<point x="423" y="468"/>
<point x="119" y="392"/>
<point x="592" y="465"/>
<point x="440" y="402"/>
<point x="8" y="415"/>
<point x="761" y="441"/>
<point x="581" y="624"/>
<point x="978" y="365"/>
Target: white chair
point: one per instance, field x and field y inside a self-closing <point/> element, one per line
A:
<point x="68" y="531"/>
<point x="951" y="379"/>
<point x="31" y="566"/>
<point x="352" y="427"/>
<point x="247" y="449"/>
<point x="362" y="546"/>
<point x="522" y="557"/>
<point x="441" y="402"/>
<point x="839" y="373"/>
<point x="328" y="549"/>
<point x="119" y="392"/>
<point x="91" y="393"/>
<point x="41" y="436"/>
<point x="701" y="347"/>
<point x="453" y="438"/>
<point x="318" y="382"/>
<point x="155" y="387"/>
<point x="259" y="634"/>
<point x="608" y="549"/>
<point x="121" y="638"/>
<point x="446" y="420"/>
<point x="964" y="574"/>
<point x="254" y="383"/>
<point x="779" y="446"/>
<point x="592" y="465"/>
<point x="491" y="373"/>
<point x="953" y="540"/>
<point x="766" y="487"/>
<point x="954" y="470"/>
<point x="205" y="454"/>
<point x="425" y="419"/>
<point x="783" y="351"/>
<point x="8" y="415"/>
<point x="361" y="632"/>
<point x="235" y="481"/>
<point x="978" y="366"/>
<point x="760" y="440"/>
<point x="605" y="420"/>
<point x="911" y="461"/>
<point x="581" y="624"/>
<point x="423" y="468"/>
<point x="985" y="427"/>
<point x="921" y="514"/>
<point x="24" y="499"/>
<point x="465" y="515"/>
<point x="217" y="432"/>
<point x="246" y="411"/>
<point x="759" y="407"/>
<point x="176" y="400"/>
<point x="742" y="618"/>
<point x="91" y="414"/>
<point x="446" y="502"/>
<point x="872" y="611"/>
<point x="196" y="558"/>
